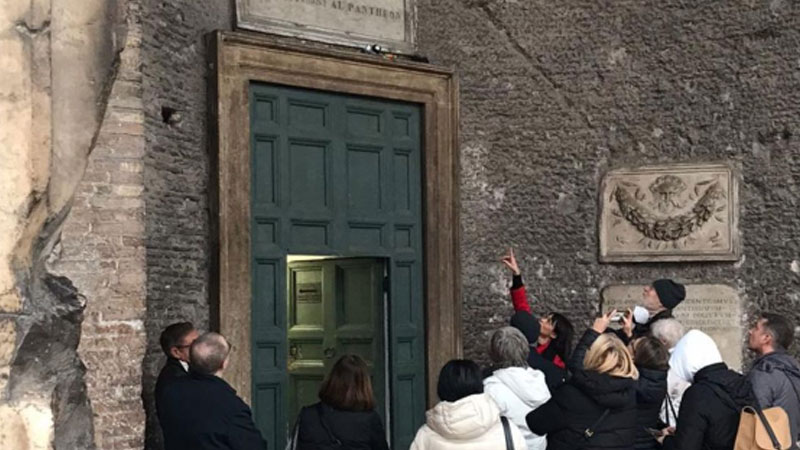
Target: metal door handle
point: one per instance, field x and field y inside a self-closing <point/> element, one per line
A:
<point x="329" y="352"/>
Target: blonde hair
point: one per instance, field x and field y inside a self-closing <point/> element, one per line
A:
<point x="609" y="355"/>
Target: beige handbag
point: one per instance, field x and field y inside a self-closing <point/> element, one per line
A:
<point x="766" y="429"/>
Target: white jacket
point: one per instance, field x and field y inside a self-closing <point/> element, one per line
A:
<point x="518" y="391"/>
<point x="472" y="423"/>
<point x="693" y="352"/>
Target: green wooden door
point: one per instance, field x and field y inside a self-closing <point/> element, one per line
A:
<point x="335" y="308"/>
<point x="335" y="175"/>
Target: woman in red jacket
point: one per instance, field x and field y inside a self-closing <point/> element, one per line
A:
<point x="551" y="335"/>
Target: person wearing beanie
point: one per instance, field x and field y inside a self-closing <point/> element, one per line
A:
<point x="658" y="301"/>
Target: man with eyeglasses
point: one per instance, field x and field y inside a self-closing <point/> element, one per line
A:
<point x="176" y="340"/>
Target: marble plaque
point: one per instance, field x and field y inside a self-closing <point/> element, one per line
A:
<point x="669" y="213"/>
<point x="712" y="308"/>
<point x="389" y="23"/>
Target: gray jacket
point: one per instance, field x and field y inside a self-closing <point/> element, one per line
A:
<point x="776" y="382"/>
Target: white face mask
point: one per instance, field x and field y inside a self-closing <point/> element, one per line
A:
<point x="640" y="315"/>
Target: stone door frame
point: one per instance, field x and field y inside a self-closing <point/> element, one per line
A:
<point x="237" y="59"/>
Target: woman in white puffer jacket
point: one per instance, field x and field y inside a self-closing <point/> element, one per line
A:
<point x="465" y="418"/>
<point x="516" y="387"/>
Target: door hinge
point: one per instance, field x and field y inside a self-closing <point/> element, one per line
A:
<point x="385" y="284"/>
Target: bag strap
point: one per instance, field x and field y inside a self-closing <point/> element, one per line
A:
<point x="589" y="432"/>
<point x="670" y="408"/>
<point x="291" y="444"/>
<point x="507" y="432"/>
<point x="322" y="421"/>
<point x="776" y="444"/>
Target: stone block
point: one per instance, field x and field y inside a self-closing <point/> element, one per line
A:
<point x="714" y="309"/>
<point x="387" y="22"/>
<point x="669" y="213"/>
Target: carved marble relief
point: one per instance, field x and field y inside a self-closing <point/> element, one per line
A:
<point x="669" y="213"/>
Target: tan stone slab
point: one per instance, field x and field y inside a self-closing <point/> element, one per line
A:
<point x="8" y="338"/>
<point x="712" y="308"/>
<point x="669" y="213"/>
<point x="389" y="23"/>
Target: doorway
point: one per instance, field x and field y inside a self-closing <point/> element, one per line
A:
<point x="337" y="176"/>
<point x="327" y="152"/>
<point x="336" y="307"/>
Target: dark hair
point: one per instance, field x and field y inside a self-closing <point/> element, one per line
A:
<point x="348" y="386"/>
<point x="459" y="378"/>
<point x="561" y="345"/>
<point x="208" y="353"/>
<point x="173" y="335"/>
<point x="780" y="328"/>
<point x="650" y="353"/>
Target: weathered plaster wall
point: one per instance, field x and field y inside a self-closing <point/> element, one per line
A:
<point x="58" y="59"/>
<point x="102" y="251"/>
<point x="176" y="172"/>
<point x="554" y="94"/>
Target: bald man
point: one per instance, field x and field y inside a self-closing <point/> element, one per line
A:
<point x="203" y="412"/>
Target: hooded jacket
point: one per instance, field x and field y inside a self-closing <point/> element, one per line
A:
<point x="775" y="378"/>
<point x="651" y="388"/>
<point x="472" y="423"/>
<point x="707" y="420"/>
<point x="517" y="391"/>
<point x="578" y="404"/>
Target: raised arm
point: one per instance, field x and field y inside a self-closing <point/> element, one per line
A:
<point x="518" y="295"/>
<point x="589" y="336"/>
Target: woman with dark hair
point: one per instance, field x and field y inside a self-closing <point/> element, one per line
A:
<point x="550" y="336"/>
<point x="345" y="417"/>
<point x="651" y="358"/>
<point x="466" y="418"/>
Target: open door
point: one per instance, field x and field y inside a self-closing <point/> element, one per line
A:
<point x="335" y="307"/>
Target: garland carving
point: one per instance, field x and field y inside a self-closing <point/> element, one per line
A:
<point x="675" y="227"/>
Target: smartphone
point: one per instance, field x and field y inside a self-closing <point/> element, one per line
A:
<point x="618" y="317"/>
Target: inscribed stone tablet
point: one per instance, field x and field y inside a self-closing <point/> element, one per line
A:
<point x="712" y="308"/>
<point x="669" y="213"/>
<point x="389" y="23"/>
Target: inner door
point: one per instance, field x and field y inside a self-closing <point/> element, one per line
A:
<point x="336" y="307"/>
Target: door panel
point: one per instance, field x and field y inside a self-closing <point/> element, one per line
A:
<point x="335" y="308"/>
<point x="334" y="175"/>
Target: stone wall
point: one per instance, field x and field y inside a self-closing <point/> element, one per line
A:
<point x="554" y="94"/>
<point x="176" y="172"/>
<point x="59" y="62"/>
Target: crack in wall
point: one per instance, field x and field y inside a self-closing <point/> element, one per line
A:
<point x="532" y="61"/>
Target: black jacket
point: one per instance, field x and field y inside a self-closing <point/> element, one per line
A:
<point x="202" y="412"/>
<point x="707" y="420"/>
<point x="357" y="430"/>
<point x="172" y="370"/>
<point x="578" y="404"/>
<point x="651" y="389"/>
<point x="529" y="325"/>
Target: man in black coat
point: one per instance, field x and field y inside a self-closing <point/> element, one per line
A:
<point x="775" y="375"/>
<point x="202" y="411"/>
<point x="658" y="301"/>
<point x="175" y="342"/>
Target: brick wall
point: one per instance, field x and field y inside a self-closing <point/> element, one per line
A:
<point x="176" y="171"/>
<point x="103" y="253"/>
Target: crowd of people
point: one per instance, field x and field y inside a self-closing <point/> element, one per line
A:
<point x="645" y="384"/>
